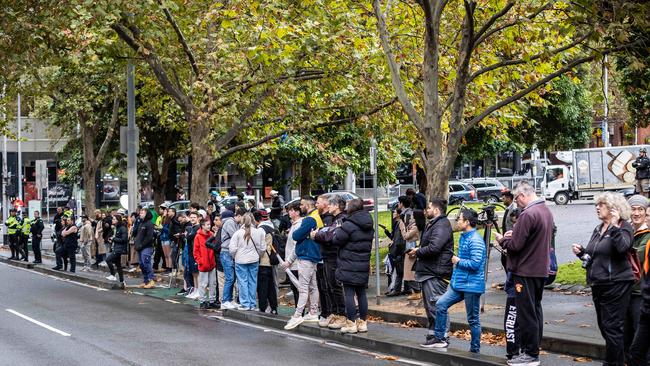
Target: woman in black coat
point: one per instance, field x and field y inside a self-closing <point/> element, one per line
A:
<point x="608" y="271"/>
<point x="120" y="244"/>
<point x="354" y="240"/>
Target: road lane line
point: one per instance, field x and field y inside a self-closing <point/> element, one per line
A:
<point x="39" y="323"/>
<point x="54" y="277"/>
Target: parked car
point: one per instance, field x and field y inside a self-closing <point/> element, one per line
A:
<point x="487" y="189"/>
<point x="368" y="203"/>
<point x="231" y="200"/>
<point x="458" y="192"/>
<point x="180" y="206"/>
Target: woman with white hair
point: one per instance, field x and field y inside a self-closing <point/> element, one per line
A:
<point x="608" y="272"/>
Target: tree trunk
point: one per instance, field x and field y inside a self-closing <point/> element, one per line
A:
<point x="159" y="176"/>
<point x="89" y="187"/>
<point x="438" y="163"/>
<point x="305" y="178"/>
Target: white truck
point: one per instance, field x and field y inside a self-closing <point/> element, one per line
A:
<point x="589" y="172"/>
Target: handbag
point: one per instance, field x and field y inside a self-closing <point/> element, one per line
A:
<point x="273" y="259"/>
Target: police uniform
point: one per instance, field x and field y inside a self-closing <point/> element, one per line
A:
<point x="37" y="236"/>
<point x="13" y="229"/>
<point x="24" y="239"/>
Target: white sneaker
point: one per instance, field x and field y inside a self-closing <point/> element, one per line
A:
<point x="193" y="295"/>
<point x="228" y="305"/>
<point x="242" y="307"/>
<point x="293" y="322"/>
<point x="111" y="278"/>
<point x="310" y="318"/>
<point x="103" y="264"/>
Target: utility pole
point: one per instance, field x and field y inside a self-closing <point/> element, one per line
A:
<point x="5" y="177"/>
<point x="605" y="123"/>
<point x="373" y="171"/>
<point x="20" y="153"/>
<point x="132" y="140"/>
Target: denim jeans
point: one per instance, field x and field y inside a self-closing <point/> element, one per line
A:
<point x="145" y="264"/>
<point x="229" y="274"/>
<point x="247" y="282"/>
<point x="472" y="307"/>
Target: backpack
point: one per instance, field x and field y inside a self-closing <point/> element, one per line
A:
<point x="552" y="271"/>
<point x="635" y="264"/>
<point x="279" y="241"/>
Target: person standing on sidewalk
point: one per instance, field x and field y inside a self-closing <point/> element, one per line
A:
<point x="642" y="166"/>
<point x="324" y="293"/>
<point x="13" y="228"/>
<point x="324" y="236"/>
<point x="307" y="254"/>
<point x="86" y="238"/>
<point x="638" y="354"/>
<point x="144" y="247"/>
<point x="24" y="237"/>
<point x="190" y="267"/>
<point x="641" y="240"/>
<point x="37" y="235"/>
<point x="245" y="247"/>
<point x="354" y="239"/>
<point x="293" y="210"/>
<point x="609" y="273"/>
<point x="70" y="241"/>
<point x="119" y="242"/>
<point x="528" y="246"/>
<point x="467" y="282"/>
<point x="205" y="260"/>
<point x="266" y="291"/>
<point x="433" y="267"/>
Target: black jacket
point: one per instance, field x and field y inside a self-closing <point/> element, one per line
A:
<point x="107" y="224"/>
<point x="325" y="235"/>
<point x="645" y="292"/>
<point x="120" y="240"/>
<point x="436" y="249"/>
<point x="608" y="253"/>
<point x="145" y="233"/>
<point x="58" y="223"/>
<point x="354" y="240"/>
<point x="398" y="244"/>
<point x="71" y="240"/>
<point x="190" y="234"/>
<point x="37" y="227"/>
<point x="276" y="207"/>
<point x="642" y="165"/>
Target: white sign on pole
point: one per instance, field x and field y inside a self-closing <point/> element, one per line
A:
<point x="373" y="158"/>
<point x="41" y="177"/>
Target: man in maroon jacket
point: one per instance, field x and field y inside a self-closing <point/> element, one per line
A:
<point x="528" y="246"/>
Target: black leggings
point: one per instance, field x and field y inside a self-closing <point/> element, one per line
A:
<point x="350" y="305"/>
<point x="116" y="259"/>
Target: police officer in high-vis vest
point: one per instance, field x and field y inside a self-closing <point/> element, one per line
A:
<point x="37" y="235"/>
<point x="24" y="238"/>
<point x="13" y="229"/>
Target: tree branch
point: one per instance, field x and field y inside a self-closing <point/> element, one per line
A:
<point x="274" y="136"/>
<point x="552" y="52"/>
<point x="570" y="66"/>
<point x="494" y="18"/>
<point x="396" y="80"/>
<point x="489" y="33"/>
<point x="181" y="39"/>
<point x="111" y="128"/>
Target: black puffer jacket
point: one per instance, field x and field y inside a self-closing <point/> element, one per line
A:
<point x="354" y="239"/>
<point x="642" y="165"/>
<point x="325" y="235"/>
<point x="144" y="237"/>
<point x="609" y="255"/>
<point x="120" y="240"/>
<point x="436" y="249"/>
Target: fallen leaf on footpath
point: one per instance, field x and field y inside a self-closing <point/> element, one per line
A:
<point x="582" y="359"/>
<point x="374" y="318"/>
<point x="571" y="313"/>
<point x="565" y="356"/>
<point x="560" y="321"/>
<point x="543" y="353"/>
<point x="387" y="358"/>
<point x="584" y="325"/>
<point x="410" y="324"/>
<point x="588" y="305"/>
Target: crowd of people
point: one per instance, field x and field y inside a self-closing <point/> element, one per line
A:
<point x="231" y="258"/>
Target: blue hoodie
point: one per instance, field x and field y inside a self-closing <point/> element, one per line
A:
<point x="306" y="248"/>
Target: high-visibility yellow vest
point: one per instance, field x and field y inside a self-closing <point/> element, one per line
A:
<point x="13" y="225"/>
<point x="26" y="226"/>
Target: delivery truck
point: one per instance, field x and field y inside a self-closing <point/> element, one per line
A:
<point x="589" y="172"/>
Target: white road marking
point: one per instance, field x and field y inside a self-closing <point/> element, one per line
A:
<point x="39" y="323"/>
<point x="172" y="301"/>
<point x="55" y="277"/>
<point x="317" y="340"/>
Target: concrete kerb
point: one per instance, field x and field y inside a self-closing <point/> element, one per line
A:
<point x="373" y="342"/>
<point x="65" y="275"/>
<point x="553" y="342"/>
<point x="559" y="343"/>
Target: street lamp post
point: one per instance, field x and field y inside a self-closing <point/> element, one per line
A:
<point x="373" y="171"/>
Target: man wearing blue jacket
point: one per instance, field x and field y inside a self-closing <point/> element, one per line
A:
<point x="307" y="253"/>
<point x="467" y="281"/>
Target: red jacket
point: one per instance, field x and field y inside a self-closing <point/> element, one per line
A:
<point x="203" y="255"/>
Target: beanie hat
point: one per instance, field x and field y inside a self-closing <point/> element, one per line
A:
<point x="638" y="200"/>
<point x="226" y="214"/>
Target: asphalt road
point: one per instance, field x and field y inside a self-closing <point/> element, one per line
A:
<point x="91" y="327"/>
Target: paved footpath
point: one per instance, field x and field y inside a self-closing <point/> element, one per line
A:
<point x="567" y="317"/>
